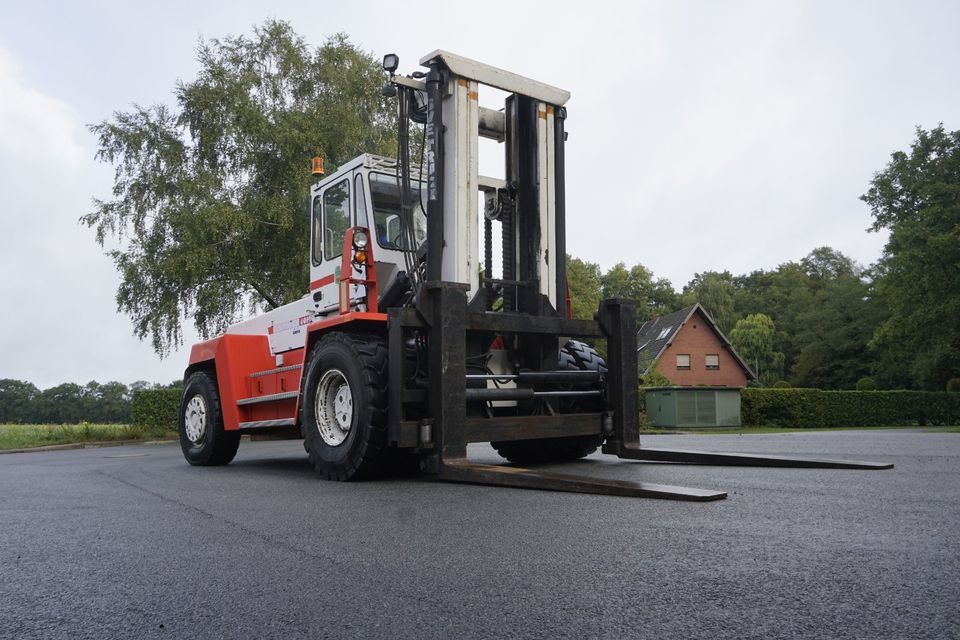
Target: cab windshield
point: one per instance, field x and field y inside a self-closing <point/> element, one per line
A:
<point x="385" y="197"/>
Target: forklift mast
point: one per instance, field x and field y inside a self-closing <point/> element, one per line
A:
<point x="531" y="126"/>
<point x="454" y="306"/>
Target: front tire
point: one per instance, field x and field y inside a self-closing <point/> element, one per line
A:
<point x="343" y="413"/>
<point x="203" y="439"/>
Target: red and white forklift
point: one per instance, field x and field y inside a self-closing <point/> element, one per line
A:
<point x="409" y="345"/>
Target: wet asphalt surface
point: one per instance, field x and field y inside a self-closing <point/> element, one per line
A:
<point x="132" y="542"/>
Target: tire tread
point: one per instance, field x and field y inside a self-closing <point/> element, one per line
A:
<point x="366" y="459"/>
<point x="223" y="443"/>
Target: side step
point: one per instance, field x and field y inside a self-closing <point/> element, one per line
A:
<point x="273" y="397"/>
<point x="265" y="424"/>
<point x="268" y="372"/>
<point x="461" y="470"/>
<point x="739" y="459"/>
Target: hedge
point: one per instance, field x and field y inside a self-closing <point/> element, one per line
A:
<point x="813" y="408"/>
<point x="156" y="410"/>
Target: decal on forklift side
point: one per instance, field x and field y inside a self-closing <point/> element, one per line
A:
<point x="290" y="325"/>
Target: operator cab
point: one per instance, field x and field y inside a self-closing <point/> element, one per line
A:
<point x="364" y="192"/>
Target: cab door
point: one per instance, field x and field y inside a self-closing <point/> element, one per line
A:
<point x="331" y="216"/>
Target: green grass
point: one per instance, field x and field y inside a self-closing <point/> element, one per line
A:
<point x="23" y="436"/>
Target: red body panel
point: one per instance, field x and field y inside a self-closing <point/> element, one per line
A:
<point x="353" y="316"/>
<point x="237" y="356"/>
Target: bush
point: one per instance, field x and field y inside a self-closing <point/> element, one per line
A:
<point x="953" y="385"/>
<point x="782" y="384"/>
<point x="654" y="379"/>
<point x="866" y="384"/>
<point x="812" y="408"/>
<point x="156" y="410"/>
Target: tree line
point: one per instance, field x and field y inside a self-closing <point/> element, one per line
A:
<point x="69" y="403"/>
<point x="808" y="322"/>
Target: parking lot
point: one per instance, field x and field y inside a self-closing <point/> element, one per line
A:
<point x="133" y="542"/>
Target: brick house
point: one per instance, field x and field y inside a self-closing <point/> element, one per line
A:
<point x="689" y="350"/>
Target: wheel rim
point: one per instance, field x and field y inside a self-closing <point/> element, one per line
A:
<point x="195" y="419"/>
<point x="333" y="407"/>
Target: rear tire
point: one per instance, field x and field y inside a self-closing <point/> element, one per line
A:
<point x="574" y="356"/>
<point x="343" y="414"/>
<point x="203" y="439"/>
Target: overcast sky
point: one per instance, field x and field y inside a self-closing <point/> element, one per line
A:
<point x="703" y="135"/>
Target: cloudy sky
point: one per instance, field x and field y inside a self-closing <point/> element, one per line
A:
<point x="703" y="135"/>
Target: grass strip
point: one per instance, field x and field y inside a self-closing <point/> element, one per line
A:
<point x="23" y="436"/>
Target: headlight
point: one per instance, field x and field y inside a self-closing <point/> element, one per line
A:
<point x="390" y="62"/>
<point x="360" y="240"/>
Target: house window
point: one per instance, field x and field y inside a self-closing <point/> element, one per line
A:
<point x="713" y="361"/>
<point x="683" y="361"/>
<point x="664" y="333"/>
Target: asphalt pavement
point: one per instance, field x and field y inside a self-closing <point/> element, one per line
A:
<point x="132" y="542"/>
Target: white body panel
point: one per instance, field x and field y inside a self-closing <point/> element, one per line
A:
<point x="461" y="183"/>
<point x="548" y="212"/>
<point x="284" y="326"/>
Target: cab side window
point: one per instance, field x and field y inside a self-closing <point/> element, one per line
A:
<point x="336" y="218"/>
<point x="360" y="199"/>
<point x="317" y="235"/>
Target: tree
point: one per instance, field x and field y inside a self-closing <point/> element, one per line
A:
<point x="16" y="399"/>
<point x="917" y="198"/>
<point x="824" y="264"/>
<point x="833" y="336"/>
<point x="825" y="311"/>
<point x="752" y="337"/>
<point x="61" y="404"/>
<point x="210" y="197"/>
<point x="783" y="295"/>
<point x="114" y="404"/>
<point x="715" y="292"/>
<point x="833" y="327"/>
<point x="653" y="297"/>
<point x="583" y="279"/>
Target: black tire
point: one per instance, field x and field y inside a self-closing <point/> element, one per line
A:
<point x="202" y="437"/>
<point x="360" y="362"/>
<point x="584" y="356"/>
<point x="574" y="356"/>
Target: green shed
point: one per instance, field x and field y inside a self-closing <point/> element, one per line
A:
<point x="693" y="407"/>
